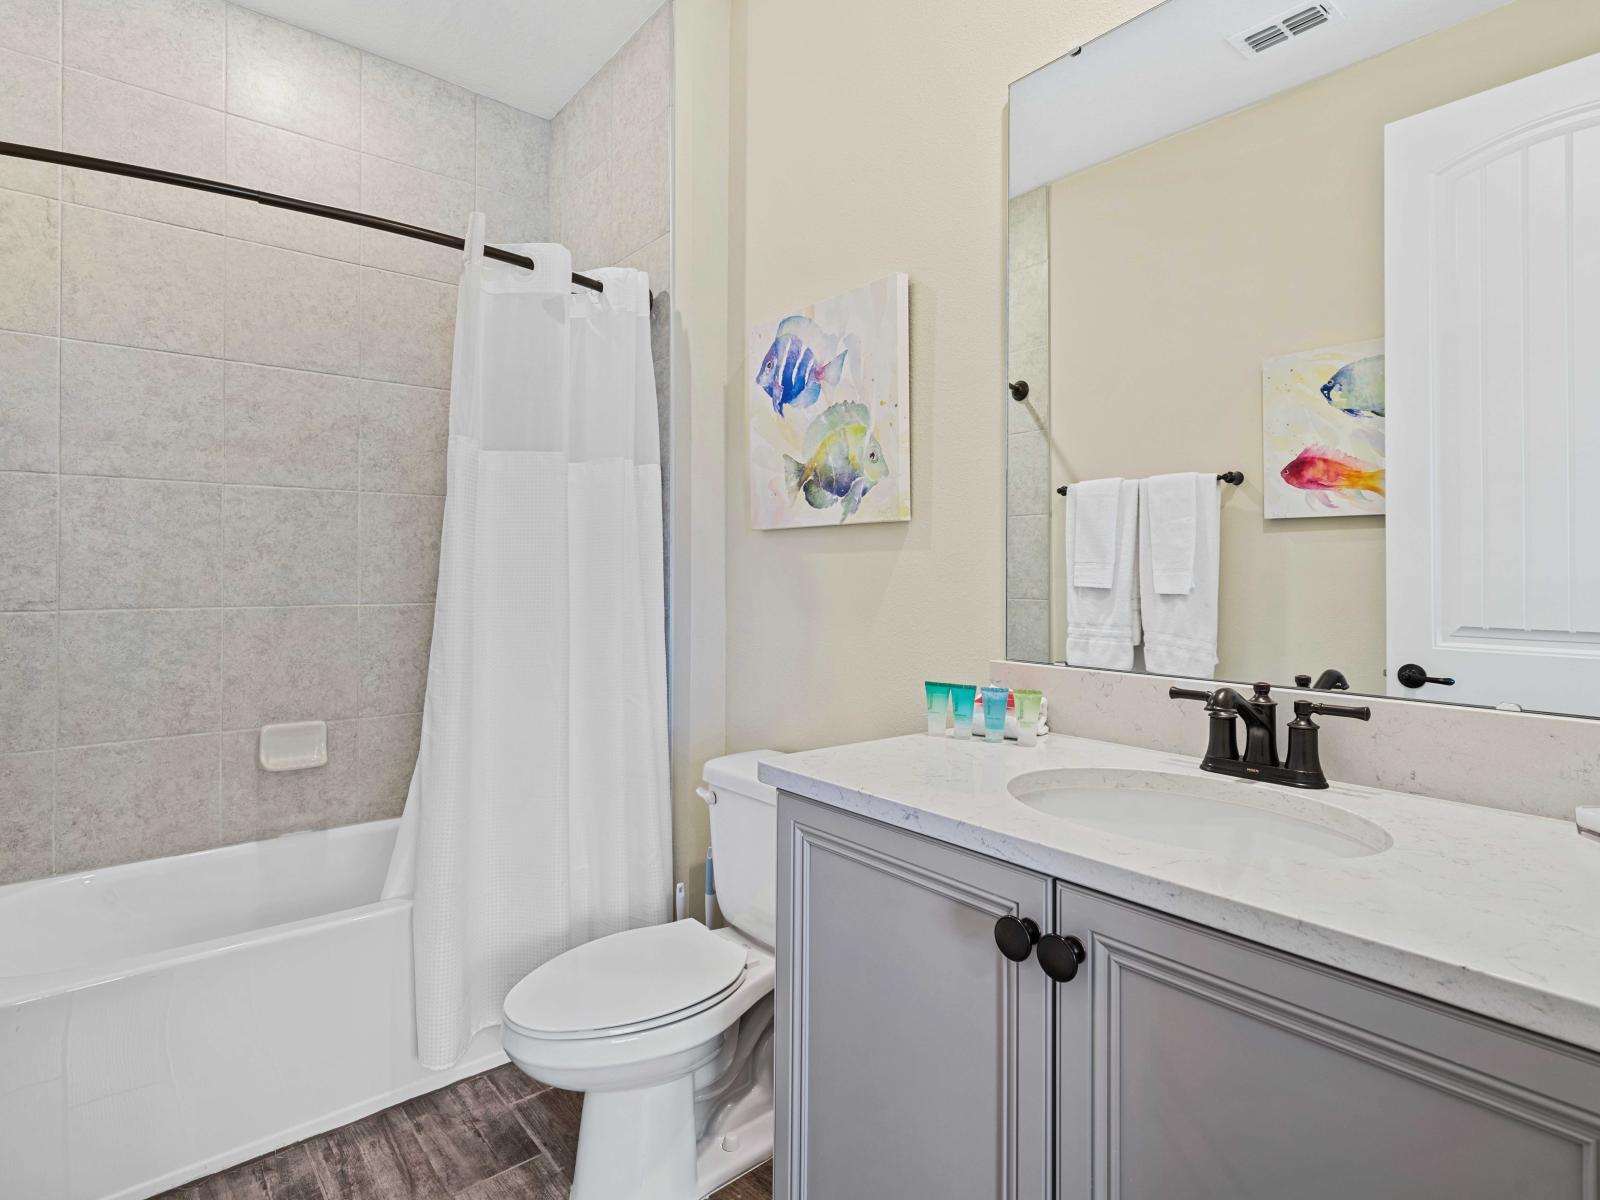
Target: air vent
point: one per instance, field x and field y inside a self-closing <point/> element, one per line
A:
<point x="1275" y="33"/>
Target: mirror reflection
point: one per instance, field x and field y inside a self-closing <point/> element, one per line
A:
<point x="1342" y="253"/>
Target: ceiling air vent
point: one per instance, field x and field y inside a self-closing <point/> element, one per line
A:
<point x="1275" y="33"/>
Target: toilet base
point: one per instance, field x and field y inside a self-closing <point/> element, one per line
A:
<point x="654" y="1130"/>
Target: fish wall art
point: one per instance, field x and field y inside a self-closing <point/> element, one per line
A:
<point x="829" y="411"/>
<point x="1322" y="432"/>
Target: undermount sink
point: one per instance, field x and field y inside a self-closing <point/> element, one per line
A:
<point x="1230" y="818"/>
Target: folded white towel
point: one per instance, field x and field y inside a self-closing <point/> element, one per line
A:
<point x="1103" y="618"/>
<point x="1169" y="508"/>
<point x="1180" y="629"/>
<point x="1093" y="546"/>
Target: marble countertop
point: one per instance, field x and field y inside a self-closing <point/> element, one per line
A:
<point x="1492" y="911"/>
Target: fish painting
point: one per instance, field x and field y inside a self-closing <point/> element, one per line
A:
<point x="1320" y="469"/>
<point x="793" y="373"/>
<point x="843" y="460"/>
<point x="1357" y="387"/>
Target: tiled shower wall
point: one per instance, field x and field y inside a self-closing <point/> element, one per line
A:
<point x="1028" y="493"/>
<point x="222" y="428"/>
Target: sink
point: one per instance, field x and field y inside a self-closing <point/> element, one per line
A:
<point x="1229" y="818"/>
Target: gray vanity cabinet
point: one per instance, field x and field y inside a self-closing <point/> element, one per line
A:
<point x="1191" y="1064"/>
<point x="912" y="1059"/>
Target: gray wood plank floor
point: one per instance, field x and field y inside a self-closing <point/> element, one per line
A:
<point x="496" y="1136"/>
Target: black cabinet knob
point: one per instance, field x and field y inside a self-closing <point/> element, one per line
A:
<point x="1060" y="957"/>
<point x="1016" y="937"/>
<point x="1413" y="676"/>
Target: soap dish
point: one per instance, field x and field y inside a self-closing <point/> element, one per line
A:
<point x="294" y="746"/>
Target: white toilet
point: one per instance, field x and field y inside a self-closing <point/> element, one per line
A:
<point x="668" y="1030"/>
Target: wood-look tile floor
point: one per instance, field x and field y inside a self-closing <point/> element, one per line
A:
<point x="495" y="1136"/>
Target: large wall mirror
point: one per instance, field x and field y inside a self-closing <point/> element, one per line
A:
<point x="1349" y="253"/>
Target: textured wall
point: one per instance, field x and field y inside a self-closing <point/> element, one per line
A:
<point x="868" y="139"/>
<point x="222" y="427"/>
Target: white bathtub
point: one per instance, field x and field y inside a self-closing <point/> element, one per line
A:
<point x="165" y="1019"/>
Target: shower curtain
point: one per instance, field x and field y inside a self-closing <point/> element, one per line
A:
<point x="538" y="815"/>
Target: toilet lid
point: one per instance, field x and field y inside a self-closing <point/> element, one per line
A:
<point x="629" y="978"/>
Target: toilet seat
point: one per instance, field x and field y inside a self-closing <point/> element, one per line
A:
<point x="627" y="983"/>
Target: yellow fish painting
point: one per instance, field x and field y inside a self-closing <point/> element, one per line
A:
<point x="843" y="460"/>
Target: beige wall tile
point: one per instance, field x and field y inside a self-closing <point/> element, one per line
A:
<point x="140" y="412"/>
<point x="127" y="675"/>
<point x="288" y="664"/>
<point x="27" y="781"/>
<point x="513" y="149"/>
<point x="407" y="328"/>
<point x="135" y="800"/>
<point x="27" y="541"/>
<point x="416" y="119"/>
<point x="290" y="164"/>
<point x="32" y="26"/>
<point x="27" y="681"/>
<point x="140" y="283"/>
<point x="388" y="757"/>
<point x="511" y="219"/>
<point x="641" y="172"/>
<point x="405" y="433"/>
<point x="288" y="546"/>
<point x="402" y="193"/>
<point x="291" y="310"/>
<point x="107" y="119"/>
<point x="292" y="428"/>
<point x="259" y="804"/>
<point x="1028" y="558"/>
<point x="1028" y="474"/>
<point x="400" y="548"/>
<point x="580" y="134"/>
<point x="284" y="76"/>
<point x="641" y="72"/>
<point x="171" y="46"/>
<point x="30" y="113"/>
<point x="1028" y="629"/>
<point x="395" y="640"/>
<point x="139" y="543"/>
<point x="29" y="402"/>
<point x="30" y="246"/>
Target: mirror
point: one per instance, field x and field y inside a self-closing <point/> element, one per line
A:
<point x="1348" y="251"/>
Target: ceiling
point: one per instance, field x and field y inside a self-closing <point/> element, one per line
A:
<point x="1172" y="69"/>
<point x="531" y="54"/>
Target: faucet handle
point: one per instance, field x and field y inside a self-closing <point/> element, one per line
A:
<point x="1262" y="690"/>
<point x="1178" y="693"/>
<point x="1304" y="708"/>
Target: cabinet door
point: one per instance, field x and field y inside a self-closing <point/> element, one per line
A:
<point x="1195" y="1065"/>
<point x="913" y="1059"/>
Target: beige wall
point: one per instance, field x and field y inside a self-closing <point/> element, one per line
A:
<point x="867" y="138"/>
<point x="1256" y="235"/>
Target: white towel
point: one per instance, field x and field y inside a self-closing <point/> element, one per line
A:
<point x="1169" y="508"/>
<point x="1103" y="619"/>
<point x="1093" y="532"/>
<point x="1180" y="629"/>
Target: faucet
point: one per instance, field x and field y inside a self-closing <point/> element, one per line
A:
<point x="1303" y="765"/>
<point x="1331" y="680"/>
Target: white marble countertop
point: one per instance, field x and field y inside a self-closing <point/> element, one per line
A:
<point x="1492" y="911"/>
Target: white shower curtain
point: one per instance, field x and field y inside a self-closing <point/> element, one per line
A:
<point x="538" y="816"/>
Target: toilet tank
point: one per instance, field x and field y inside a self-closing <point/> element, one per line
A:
<point x="744" y="842"/>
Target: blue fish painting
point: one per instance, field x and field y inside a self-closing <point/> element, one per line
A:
<point x="1356" y="388"/>
<point x="793" y="372"/>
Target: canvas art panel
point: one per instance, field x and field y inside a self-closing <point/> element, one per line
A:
<point x="829" y="411"/>
<point x="1322" y="436"/>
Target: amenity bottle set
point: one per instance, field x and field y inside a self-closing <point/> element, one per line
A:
<point x="996" y="712"/>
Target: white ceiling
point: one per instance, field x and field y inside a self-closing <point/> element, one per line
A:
<point x="1172" y="69"/>
<point x="531" y="54"/>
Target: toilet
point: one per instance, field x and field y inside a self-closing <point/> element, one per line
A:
<point x="667" y="1030"/>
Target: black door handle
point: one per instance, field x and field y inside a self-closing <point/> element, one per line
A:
<point x="1413" y="676"/>
<point x="1016" y="937"/>
<point x="1060" y="957"/>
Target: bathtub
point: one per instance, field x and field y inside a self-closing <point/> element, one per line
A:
<point x="166" y="1019"/>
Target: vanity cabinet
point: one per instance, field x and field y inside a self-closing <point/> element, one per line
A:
<point x="915" y="1061"/>
<point x="912" y="1059"/>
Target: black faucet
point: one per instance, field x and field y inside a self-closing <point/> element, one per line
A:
<point x="1331" y="680"/>
<point x="1303" y="765"/>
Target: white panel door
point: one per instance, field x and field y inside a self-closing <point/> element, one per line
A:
<point x="1493" y="283"/>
